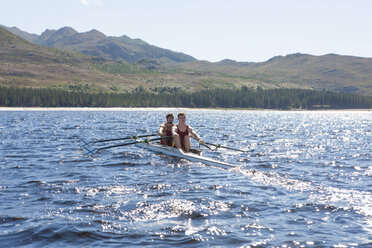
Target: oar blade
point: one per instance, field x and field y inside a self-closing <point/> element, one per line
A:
<point x="85" y="143"/>
<point x="91" y="152"/>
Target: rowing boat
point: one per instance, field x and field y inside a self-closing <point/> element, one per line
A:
<point x="178" y="153"/>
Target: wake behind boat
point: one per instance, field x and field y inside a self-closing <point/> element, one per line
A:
<point x="178" y="153"/>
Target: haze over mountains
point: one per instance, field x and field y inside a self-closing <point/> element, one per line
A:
<point x="329" y="72"/>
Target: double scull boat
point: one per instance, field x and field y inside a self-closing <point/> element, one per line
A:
<point x="178" y="153"/>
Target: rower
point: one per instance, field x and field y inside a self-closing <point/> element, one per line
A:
<point x="165" y="129"/>
<point x="182" y="132"/>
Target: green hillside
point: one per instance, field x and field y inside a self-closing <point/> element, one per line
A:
<point x="24" y="64"/>
<point x="329" y="72"/>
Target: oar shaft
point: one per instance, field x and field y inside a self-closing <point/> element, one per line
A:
<point x="125" y="138"/>
<point x="207" y="146"/>
<point x="135" y="142"/>
<point x="126" y="144"/>
<point x="226" y="147"/>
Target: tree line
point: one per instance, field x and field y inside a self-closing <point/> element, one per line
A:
<point x="243" y="97"/>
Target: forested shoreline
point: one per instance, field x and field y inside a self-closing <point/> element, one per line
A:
<point x="244" y="97"/>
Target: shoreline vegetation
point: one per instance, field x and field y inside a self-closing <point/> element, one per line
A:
<point x="238" y="98"/>
<point x="174" y="109"/>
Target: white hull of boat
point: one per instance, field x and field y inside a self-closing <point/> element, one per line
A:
<point x="175" y="152"/>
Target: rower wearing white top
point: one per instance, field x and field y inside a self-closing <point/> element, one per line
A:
<point x="182" y="133"/>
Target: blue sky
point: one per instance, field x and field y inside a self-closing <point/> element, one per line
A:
<point x="212" y="30"/>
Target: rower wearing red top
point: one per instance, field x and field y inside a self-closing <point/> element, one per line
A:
<point x="165" y="129"/>
<point x="182" y="132"/>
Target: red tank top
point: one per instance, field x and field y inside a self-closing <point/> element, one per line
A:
<point x="168" y="141"/>
<point x="183" y="134"/>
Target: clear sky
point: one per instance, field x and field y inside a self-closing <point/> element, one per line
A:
<point x="242" y="30"/>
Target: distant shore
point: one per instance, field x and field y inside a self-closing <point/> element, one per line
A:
<point x="161" y="109"/>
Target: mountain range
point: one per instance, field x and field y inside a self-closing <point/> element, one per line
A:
<point x="95" y="43"/>
<point x="328" y="72"/>
<point x="25" y="64"/>
<point x="333" y="72"/>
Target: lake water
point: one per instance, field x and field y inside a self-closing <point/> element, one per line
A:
<point x="305" y="181"/>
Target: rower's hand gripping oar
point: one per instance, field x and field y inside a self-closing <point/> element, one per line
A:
<point x="86" y="143"/>
<point x="146" y="141"/>
<point x="226" y="147"/>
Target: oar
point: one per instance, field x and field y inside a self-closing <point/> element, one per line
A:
<point x="206" y="146"/>
<point x="94" y="151"/>
<point x="226" y="147"/>
<point x="124" y="138"/>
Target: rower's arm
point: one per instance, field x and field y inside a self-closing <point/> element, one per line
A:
<point x="193" y="134"/>
<point x="161" y="130"/>
<point x="174" y="130"/>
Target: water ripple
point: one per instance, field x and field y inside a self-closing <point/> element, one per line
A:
<point x="304" y="182"/>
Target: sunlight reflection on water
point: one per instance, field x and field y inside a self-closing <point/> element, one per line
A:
<point x="305" y="180"/>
